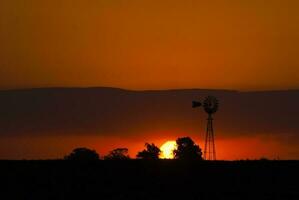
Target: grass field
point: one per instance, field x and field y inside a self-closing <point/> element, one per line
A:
<point x="139" y="179"/>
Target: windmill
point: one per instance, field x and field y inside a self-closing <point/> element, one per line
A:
<point x="210" y="105"/>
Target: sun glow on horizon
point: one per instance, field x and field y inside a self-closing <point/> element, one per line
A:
<point x="167" y="149"/>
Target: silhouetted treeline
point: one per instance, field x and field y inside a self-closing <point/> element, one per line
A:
<point x="118" y="154"/>
<point x="151" y="152"/>
<point x="186" y="150"/>
<point x="82" y="154"/>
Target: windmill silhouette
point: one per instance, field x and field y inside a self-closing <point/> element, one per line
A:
<point x="210" y="105"/>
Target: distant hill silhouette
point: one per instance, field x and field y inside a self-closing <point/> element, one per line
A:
<point x="116" y="111"/>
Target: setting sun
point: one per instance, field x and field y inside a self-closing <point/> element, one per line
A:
<point x="167" y="149"/>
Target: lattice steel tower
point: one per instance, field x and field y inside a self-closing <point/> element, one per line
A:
<point x="210" y="105"/>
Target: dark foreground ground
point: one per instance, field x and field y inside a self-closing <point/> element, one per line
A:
<point x="137" y="179"/>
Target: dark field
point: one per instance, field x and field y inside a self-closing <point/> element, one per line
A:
<point x="138" y="179"/>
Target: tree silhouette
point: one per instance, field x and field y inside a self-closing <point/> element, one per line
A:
<point x="118" y="154"/>
<point x="187" y="149"/>
<point x="83" y="154"/>
<point x="151" y="152"/>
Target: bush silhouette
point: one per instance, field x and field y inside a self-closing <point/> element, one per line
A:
<point x="151" y="152"/>
<point x="118" y="154"/>
<point x="187" y="149"/>
<point x="82" y="154"/>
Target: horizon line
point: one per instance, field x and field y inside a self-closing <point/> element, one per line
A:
<point x="147" y="90"/>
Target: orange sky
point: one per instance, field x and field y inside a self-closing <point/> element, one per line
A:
<point x="56" y="147"/>
<point x="150" y="44"/>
